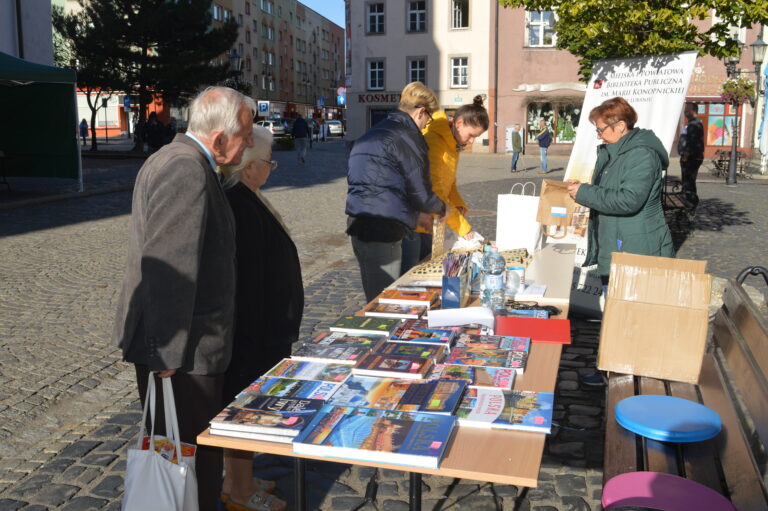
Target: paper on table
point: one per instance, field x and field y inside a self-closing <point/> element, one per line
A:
<point x="531" y="291"/>
<point x="462" y="316"/>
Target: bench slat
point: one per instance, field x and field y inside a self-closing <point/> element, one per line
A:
<point x="744" y="485"/>
<point x="750" y="323"/>
<point x="698" y="457"/>
<point x="745" y="372"/>
<point x="620" y="446"/>
<point x="660" y="456"/>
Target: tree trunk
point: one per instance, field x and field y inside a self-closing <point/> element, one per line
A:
<point x="94" y="110"/>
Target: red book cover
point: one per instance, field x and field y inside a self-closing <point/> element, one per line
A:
<point x="554" y="331"/>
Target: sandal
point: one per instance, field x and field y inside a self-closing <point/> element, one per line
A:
<point x="259" y="501"/>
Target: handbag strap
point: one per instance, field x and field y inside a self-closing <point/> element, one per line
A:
<point x="171" y="420"/>
<point x="149" y="404"/>
<point x="524" y="187"/>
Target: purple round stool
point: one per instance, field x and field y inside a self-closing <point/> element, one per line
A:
<point x="662" y="491"/>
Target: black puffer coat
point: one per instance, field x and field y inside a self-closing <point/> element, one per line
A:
<point x="388" y="173"/>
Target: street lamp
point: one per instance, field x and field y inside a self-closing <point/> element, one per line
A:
<point x="758" y="57"/>
<point x="731" y="64"/>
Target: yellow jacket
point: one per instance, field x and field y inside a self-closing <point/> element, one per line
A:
<point x="443" y="160"/>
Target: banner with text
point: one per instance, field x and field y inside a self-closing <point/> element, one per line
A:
<point x="656" y="88"/>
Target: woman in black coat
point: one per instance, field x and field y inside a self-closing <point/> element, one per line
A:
<point x="269" y="306"/>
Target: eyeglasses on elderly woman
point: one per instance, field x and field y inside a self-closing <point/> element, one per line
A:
<point x="272" y="163"/>
<point x="601" y="130"/>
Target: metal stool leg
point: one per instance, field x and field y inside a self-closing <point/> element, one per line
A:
<point x="414" y="492"/>
<point x="299" y="483"/>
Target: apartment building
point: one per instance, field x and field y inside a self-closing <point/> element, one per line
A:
<point x="25" y="30"/>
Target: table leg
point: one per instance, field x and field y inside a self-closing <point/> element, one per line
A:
<point x="414" y="492"/>
<point x="299" y="482"/>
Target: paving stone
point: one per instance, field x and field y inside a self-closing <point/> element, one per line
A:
<point x="126" y="419"/>
<point x="395" y="505"/>
<point x="591" y="411"/>
<point x="364" y="473"/>
<point x="72" y="473"/>
<point x="338" y="488"/>
<point x="11" y="505"/>
<point x="36" y="507"/>
<point x="388" y="490"/>
<point x="84" y="504"/>
<point x="344" y="503"/>
<point x="545" y="508"/>
<point x="545" y="491"/>
<point x="99" y="459"/>
<point x="110" y="487"/>
<point x="55" y="494"/>
<point x="570" y="485"/>
<point x="107" y="431"/>
<point x="56" y="466"/>
<point x="568" y="375"/>
<point x="31" y="485"/>
<point x="386" y="473"/>
<point x="78" y="449"/>
<point x="506" y="490"/>
<point x="574" y="504"/>
<point x="567" y="385"/>
<point x="582" y="421"/>
<point x="88" y="475"/>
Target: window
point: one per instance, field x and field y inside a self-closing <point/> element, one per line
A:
<point x="271" y="84"/>
<point x="541" y="29"/>
<point x="264" y="81"/>
<point x="247" y="7"/>
<point x="240" y="19"/>
<point x="459" y="72"/>
<point x="270" y="33"/>
<point x="375" y="75"/>
<point x="255" y="26"/>
<point x="267" y="6"/>
<point x="240" y="49"/>
<point x="248" y="36"/>
<point x="376" y="18"/>
<point x="562" y="120"/>
<point x="255" y="53"/>
<point x="459" y="13"/>
<point x="417" y="69"/>
<point x="417" y="16"/>
<point x="227" y="14"/>
<point x="218" y="12"/>
<point x="248" y="65"/>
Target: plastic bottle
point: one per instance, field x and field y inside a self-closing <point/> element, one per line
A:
<point x="493" y="280"/>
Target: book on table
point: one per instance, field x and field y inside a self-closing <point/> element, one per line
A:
<point x="438" y="396"/>
<point x="394" y="310"/>
<point x="341" y="355"/>
<point x="520" y="410"/>
<point x="416" y="330"/>
<point x="362" y="325"/>
<point x="408" y="297"/>
<point x="344" y="340"/>
<point x="553" y="331"/>
<point x="393" y="366"/>
<point x="303" y="370"/>
<point x="494" y="377"/>
<point x="266" y="415"/>
<point x="382" y="436"/>
<point x="504" y="342"/>
<point x="286" y="387"/>
<point x="415" y="349"/>
<point x="488" y="357"/>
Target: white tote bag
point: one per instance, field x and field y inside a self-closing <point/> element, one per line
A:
<point x="516" y="225"/>
<point x="153" y="482"/>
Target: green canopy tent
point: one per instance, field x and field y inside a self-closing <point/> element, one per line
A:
<point x="38" y="135"/>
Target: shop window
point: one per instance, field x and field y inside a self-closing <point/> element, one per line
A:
<point x="541" y="29"/>
<point x="719" y="122"/>
<point x="566" y="122"/>
<point x="562" y="121"/>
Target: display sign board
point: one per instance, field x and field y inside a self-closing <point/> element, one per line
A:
<point x="263" y="108"/>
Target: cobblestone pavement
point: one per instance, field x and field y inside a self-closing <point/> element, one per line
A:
<point x="68" y="406"/>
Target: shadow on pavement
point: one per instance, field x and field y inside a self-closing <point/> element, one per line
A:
<point x="712" y="215"/>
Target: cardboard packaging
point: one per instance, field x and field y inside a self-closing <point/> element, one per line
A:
<point x="656" y="317"/>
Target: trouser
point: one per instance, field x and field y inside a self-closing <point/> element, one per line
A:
<point x="690" y="169"/>
<point x="515" y="157"/>
<point x="379" y="264"/>
<point x="198" y="400"/>
<point x="416" y="247"/>
<point x="301" y="147"/>
<point x="543" y="152"/>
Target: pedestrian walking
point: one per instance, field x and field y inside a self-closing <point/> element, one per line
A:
<point x="176" y="309"/>
<point x="517" y="147"/>
<point x="301" y="134"/>
<point x="691" y="149"/>
<point x="544" y="138"/>
<point x="389" y="190"/>
<point x="84" y="130"/>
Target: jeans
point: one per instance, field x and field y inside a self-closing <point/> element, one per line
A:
<point x="379" y="264"/>
<point x="416" y="246"/>
<point x="543" y="152"/>
<point x="301" y="147"/>
<point x="515" y="157"/>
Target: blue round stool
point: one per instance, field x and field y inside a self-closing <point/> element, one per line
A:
<point x="667" y="418"/>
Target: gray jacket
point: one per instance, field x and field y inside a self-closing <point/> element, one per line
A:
<point x="176" y="307"/>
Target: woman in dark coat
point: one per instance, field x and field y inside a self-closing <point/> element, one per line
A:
<point x="269" y="306"/>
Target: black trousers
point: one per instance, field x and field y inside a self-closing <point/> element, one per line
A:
<point x="198" y="400"/>
<point x="690" y="170"/>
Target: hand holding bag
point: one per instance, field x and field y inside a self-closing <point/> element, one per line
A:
<point x="556" y="208"/>
<point x="152" y="482"/>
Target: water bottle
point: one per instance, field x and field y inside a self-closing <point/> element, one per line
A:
<point x="493" y="280"/>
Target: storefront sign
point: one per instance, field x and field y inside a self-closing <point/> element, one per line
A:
<point x="379" y="98"/>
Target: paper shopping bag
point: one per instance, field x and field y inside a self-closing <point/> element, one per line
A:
<point x="555" y="208"/>
<point x="516" y="224"/>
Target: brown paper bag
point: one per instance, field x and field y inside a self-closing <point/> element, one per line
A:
<point x="555" y="208"/>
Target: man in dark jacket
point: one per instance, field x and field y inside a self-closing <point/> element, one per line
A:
<point x="389" y="191"/>
<point x="301" y="138"/>
<point x="544" y="138"/>
<point x="691" y="149"/>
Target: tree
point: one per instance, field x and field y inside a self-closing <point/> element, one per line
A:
<point x="156" y="47"/>
<point x="599" y="29"/>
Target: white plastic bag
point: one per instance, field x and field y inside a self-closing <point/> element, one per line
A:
<point x="152" y="482"/>
<point x="516" y="224"/>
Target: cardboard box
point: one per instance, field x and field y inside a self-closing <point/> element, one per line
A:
<point x="656" y="317"/>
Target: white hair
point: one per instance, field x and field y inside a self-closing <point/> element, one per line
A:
<point x="218" y="109"/>
<point x="262" y="145"/>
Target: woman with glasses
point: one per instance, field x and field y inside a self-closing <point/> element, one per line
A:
<point x="268" y="306"/>
<point x="389" y="190"/>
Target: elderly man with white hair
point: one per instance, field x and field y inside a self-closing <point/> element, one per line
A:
<point x="175" y="312"/>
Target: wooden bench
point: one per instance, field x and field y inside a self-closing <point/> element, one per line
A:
<point x="733" y="383"/>
<point x="673" y="201"/>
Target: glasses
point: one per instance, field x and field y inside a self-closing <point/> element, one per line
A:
<point x="428" y="115"/>
<point x="601" y="130"/>
<point x="272" y="163"/>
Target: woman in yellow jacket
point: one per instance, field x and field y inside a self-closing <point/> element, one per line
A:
<point x="445" y="139"/>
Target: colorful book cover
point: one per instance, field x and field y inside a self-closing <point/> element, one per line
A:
<point x="285" y="416"/>
<point x="393" y="366"/>
<point x="414" y="349"/>
<point x="453" y="372"/>
<point x="494" y="377"/>
<point x="413" y="439"/>
<point x="406" y="297"/>
<point x="286" y="387"/>
<point x="439" y="396"/>
<point x="503" y="342"/>
<point x="554" y="331"/>
<point x="341" y="339"/>
<point x="521" y="410"/>
<point x="394" y="310"/>
<point x="417" y="330"/>
<point x="340" y="355"/>
<point x="364" y="325"/>
<point x="528" y="313"/>
<point x="487" y="357"/>
<point x="302" y="370"/>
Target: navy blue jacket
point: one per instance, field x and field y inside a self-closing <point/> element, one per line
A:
<point x="300" y="128"/>
<point x="388" y="173"/>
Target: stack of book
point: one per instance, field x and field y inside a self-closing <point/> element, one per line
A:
<point x="418" y="331"/>
<point x="490" y="351"/>
<point x="362" y="325"/>
<point x="519" y="410"/>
